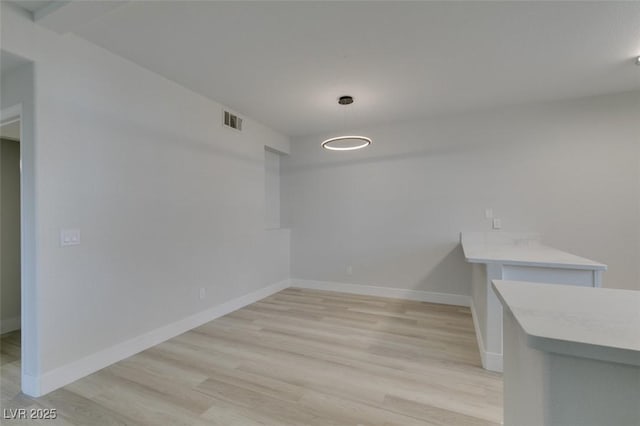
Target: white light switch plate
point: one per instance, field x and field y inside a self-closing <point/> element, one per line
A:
<point x="69" y="237"/>
<point x="497" y="223"/>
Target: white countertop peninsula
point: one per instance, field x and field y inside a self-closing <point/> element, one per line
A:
<point x="521" y="256"/>
<point x="521" y="249"/>
<point x="571" y="354"/>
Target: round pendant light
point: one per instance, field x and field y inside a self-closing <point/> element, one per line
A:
<point x="346" y="143"/>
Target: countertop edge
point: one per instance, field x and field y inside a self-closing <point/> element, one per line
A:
<point x="556" y="265"/>
<point x="583" y="350"/>
<point x="572" y="348"/>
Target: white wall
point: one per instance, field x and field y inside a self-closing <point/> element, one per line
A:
<point x="167" y="200"/>
<point x="568" y="170"/>
<point x="272" y="189"/>
<point x="9" y="235"/>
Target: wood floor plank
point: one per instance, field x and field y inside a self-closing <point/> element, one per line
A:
<point x="437" y="416"/>
<point x="298" y="357"/>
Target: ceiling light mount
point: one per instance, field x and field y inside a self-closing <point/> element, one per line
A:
<point x="346" y="143"/>
<point x="345" y="100"/>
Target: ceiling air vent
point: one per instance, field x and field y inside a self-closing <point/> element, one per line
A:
<point x="232" y="120"/>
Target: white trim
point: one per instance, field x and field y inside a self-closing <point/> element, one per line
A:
<point x="476" y="326"/>
<point x="394" y="293"/>
<point x="61" y="376"/>
<point x="30" y="385"/>
<point x="27" y="322"/>
<point x="9" y="324"/>
<point x="491" y="361"/>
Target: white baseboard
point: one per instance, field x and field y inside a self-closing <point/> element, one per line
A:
<point x="61" y="376"/>
<point x="9" y="324"/>
<point x="394" y="293"/>
<point x="30" y="385"/>
<point x="491" y="361"/>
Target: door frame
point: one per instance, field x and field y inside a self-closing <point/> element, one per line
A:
<point x="27" y="324"/>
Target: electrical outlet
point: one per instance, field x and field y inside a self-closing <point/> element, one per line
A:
<point x="203" y="293"/>
<point x="497" y="223"/>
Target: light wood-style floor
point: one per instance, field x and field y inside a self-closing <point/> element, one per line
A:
<point x="299" y="357"/>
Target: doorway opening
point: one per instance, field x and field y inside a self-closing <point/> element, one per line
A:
<point x="10" y="252"/>
<point x="17" y="118"/>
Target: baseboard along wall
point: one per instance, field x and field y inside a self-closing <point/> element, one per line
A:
<point x="61" y="376"/>
<point x="394" y="293"/>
